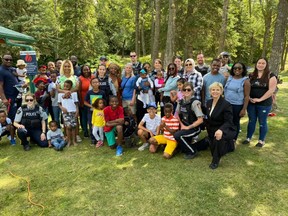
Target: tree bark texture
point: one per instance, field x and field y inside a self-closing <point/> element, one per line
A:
<point x="137" y="27"/>
<point x="224" y="24"/>
<point x="155" y="50"/>
<point x="279" y="36"/>
<point x="170" y="34"/>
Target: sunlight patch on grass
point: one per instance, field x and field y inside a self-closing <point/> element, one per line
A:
<point x="126" y="164"/>
<point x="3" y="160"/>
<point x="262" y="210"/>
<point x="7" y="182"/>
<point x="60" y="193"/>
<point x="229" y="191"/>
<point x="250" y="163"/>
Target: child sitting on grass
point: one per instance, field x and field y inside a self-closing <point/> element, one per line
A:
<point x="114" y="118"/>
<point x="152" y="122"/>
<point x="129" y="127"/>
<point x="70" y="111"/>
<point x="55" y="136"/>
<point x="98" y="121"/>
<point x="169" y="125"/>
<point x="6" y="127"/>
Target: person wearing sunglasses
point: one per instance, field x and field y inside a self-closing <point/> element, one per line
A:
<point x="190" y="115"/>
<point x="194" y="77"/>
<point x="30" y="122"/>
<point x="8" y="94"/>
<point x="136" y="65"/>
<point x="236" y="92"/>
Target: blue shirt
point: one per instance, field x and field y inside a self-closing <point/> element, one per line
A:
<point x="128" y="86"/>
<point x="209" y="79"/>
<point x="9" y="81"/>
<point x="234" y="90"/>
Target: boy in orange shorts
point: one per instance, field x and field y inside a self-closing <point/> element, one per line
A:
<point x="169" y="125"/>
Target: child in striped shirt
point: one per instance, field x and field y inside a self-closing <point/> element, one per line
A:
<point x="169" y="125"/>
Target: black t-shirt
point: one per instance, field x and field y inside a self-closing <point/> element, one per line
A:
<point x="258" y="89"/>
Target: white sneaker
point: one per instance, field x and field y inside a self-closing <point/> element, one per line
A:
<point x="143" y="147"/>
<point x="78" y="139"/>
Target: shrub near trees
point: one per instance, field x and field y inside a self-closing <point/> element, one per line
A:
<point x="88" y="28"/>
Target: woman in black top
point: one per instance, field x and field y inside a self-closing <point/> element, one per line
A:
<point x="263" y="84"/>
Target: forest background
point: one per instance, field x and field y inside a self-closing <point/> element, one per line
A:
<point x="248" y="29"/>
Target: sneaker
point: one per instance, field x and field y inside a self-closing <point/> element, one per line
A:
<point x="86" y="135"/>
<point x="213" y="166"/>
<point x="162" y="104"/>
<point x="119" y="150"/>
<point x="143" y="147"/>
<point x="190" y="156"/>
<point x="260" y="145"/>
<point x="78" y="139"/>
<point x="245" y="142"/>
<point x="26" y="148"/>
<point x="93" y="143"/>
<point x="13" y="142"/>
<point x="99" y="144"/>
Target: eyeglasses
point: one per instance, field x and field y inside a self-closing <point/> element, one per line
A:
<point x="188" y="90"/>
<point x="8" y="60"/>
<point x="237" y="68"/>
<point x="132" y="56"/>
<point x="188" y="65"/>
<point x="31" y="100"/>
<point x="172" y="68"/>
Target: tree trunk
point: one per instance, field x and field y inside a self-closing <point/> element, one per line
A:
<point x="155" y="51"/>
<point x="279" y="36"/>
<point x="223" y="29"/>
<point x="57" y="29"/>
<point x="267" y="14"/>
<point x="143" y="38"/>
<point x="170" y="34"/>
<point x="284" y="55"/>
<point x="188" y="50"/>
<point x="137" y="29"/>
<point x="152" y="27"/>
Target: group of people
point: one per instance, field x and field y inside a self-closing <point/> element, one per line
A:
<point x="110" y="103"/>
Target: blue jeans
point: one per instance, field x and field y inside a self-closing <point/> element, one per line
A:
<point x="260" y="112"/>
<point x="84" y="119"/>
<point x="58" y="143"/>
<point x="56" y="113"/>
<point x="236" y="118"/>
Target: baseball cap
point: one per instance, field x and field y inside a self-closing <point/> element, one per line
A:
<point x="152" y="104"/>
<point x="103" y="58"/>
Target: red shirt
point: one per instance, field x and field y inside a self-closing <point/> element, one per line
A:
<point x="84" y="87"/>
<point x="110" y="115"/>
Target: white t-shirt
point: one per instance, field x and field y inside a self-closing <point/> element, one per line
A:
<point x="151" y="124"/>
<point x="53" y="135"/>
<point x="68" y="103"/>
<point x="3" y="127"/>
<point x="52" y="86"/>
<point x="21" y="72"/>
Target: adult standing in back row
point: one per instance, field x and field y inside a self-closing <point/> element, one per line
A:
<point x="263" y="84"/>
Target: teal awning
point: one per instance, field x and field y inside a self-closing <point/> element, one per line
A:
<point x="8" y="34"/>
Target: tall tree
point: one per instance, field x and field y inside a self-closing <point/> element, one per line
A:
<point x="223" y="30"/>
<point x="137" y="27"/>
<point x="78" y="28"/>
<point x="279" y="36"/>
<point x="170" y="34"/>
<point x="155" y="50"/>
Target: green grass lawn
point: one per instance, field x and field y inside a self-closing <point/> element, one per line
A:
<point x="83" y="180"/>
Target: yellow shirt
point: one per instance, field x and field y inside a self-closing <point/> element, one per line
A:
<point x="98" y="118"/>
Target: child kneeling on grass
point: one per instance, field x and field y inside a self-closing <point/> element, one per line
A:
<point x="98" y="121"/>
<point x="114" y="118"/>
<point x="169" y="125"/>
<point x="152" y="126"/>
<point x="55" y="136"/>
<point x="69" y="106"/>
<point x="6" y="127"/>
